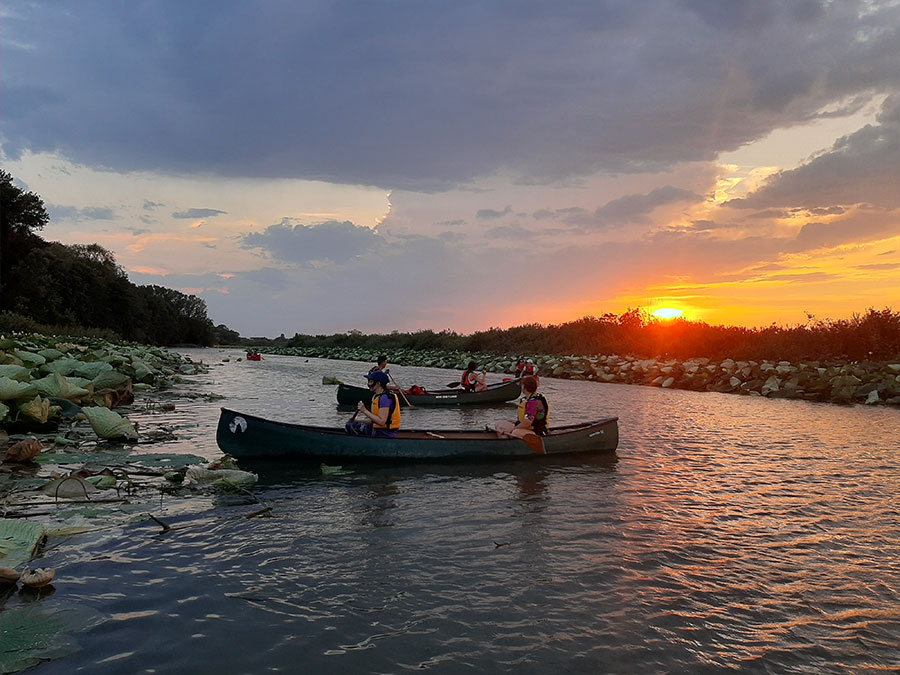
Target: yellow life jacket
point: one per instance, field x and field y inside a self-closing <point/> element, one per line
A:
<point x="393" y="420"/>
<point x="542" y="422"/>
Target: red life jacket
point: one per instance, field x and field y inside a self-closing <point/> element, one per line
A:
<point x="464" y="381"/>
<point x="528" y="369"/>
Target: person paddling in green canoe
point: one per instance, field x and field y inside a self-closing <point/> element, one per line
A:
<point x="533" y="414"/>
<point x="383" y="420"/>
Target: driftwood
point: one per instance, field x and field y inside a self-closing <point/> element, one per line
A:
<point x="165" y="526"/>
<point x="261" y="512"/>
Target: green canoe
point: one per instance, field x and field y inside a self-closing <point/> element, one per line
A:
<point x="496" y="393"/>
<point x="242" y="435"/>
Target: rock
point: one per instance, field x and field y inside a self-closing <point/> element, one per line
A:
<point x="771" y="385"/>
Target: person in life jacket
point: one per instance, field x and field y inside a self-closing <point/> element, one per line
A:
<point x="471" y="380"/>
<point x="529" y="368"/>
<point x="381" y="366"/>
<point x="533" y="414"/>
<point x="383" y="420"/>
<point x="520" y="368"/>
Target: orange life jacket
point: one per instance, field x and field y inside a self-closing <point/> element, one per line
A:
<point x="393" y="418"/>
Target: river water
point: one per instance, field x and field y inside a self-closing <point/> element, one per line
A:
<point x="727" y="534"/>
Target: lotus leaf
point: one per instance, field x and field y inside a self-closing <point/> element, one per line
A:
<point x="115" y="360"/>
<point x="334" y="470"/>
<point x="4" y="409"/>
<point x="30" y="358"/>
<point x="13" y="372"/>
<point x="36" y="633"/>
<point x="12" y="389"/>
<point x="109" y="424"/>
<point x="67" y="409"/>
<point x="64" y="366"/>
<point x="68" y="487"/>
<point x="7" y="343"/>
<point x="92" y="369"/>
<point x="102" y="482"/>
<point x="10" y="359"/>
<point x="24" y="451"/>
<point x="39" y="409"/>
<point x="19" y="541"/>
<point x="59" y="387"/>
<point x="51" y="354"/>
<point x="111" y="379"/>
<point x="232" y="476"/>
<point x="69" y="347"/>
<point x="142" y="372"/>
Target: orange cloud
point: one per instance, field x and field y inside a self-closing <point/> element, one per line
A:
<point x="153" y="271"/>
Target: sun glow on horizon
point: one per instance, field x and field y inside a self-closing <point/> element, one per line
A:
<point x="668" y="313"/>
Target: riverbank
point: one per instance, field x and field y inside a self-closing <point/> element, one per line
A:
<point x="832" y="381"/>
<point x="88" y="413"/>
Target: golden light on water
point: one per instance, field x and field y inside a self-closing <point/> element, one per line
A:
<point x="667" y="313"/>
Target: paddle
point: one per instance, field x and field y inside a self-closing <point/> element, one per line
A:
<point x="454" y="384"/>
<point x="401" y="391"/>
<point x="534" y="443"/>
<point x="532" y="440"/>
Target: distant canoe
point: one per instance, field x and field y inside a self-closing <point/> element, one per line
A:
<point x="495" y="393"/>
<point x="254" y="357"/>
<point x="247" y="436"/>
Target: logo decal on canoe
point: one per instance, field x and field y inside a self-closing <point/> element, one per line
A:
<point x="238" y="425"/>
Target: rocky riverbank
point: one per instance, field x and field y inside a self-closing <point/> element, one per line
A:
<point x="867" y="382"/>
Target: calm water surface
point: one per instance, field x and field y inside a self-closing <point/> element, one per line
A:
<point x="728" y="534"/>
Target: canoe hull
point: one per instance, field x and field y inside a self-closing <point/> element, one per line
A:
<point x="496" y="393"/>
<point x="247" y="436"/>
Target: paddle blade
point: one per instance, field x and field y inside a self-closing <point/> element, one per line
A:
<point x="534" y="443"/>
<point x="454" y="384"/>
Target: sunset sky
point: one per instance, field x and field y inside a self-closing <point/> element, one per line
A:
<point x="318" y="166"/>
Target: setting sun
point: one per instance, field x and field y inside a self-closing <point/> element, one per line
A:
<point x="667" y="313"/>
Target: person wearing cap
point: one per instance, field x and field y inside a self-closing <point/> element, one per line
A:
<point x="383" y="420"/>
<point x="529" y="369"/>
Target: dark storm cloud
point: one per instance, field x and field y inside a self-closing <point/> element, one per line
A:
<point x="193" y="214"/>
<point x="334" y="241"/>
<point x="861" y="168"/>
<point x="636" y="208"/>
<point x="630" y="209"/>
<point x="425" y="95"/>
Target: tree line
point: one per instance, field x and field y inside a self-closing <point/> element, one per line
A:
<point x="873" y="335"/>
<point x="47" y="286"/>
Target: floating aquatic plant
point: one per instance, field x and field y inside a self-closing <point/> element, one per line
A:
<point x="109" y="424"/>
<point x="19" y="541"/>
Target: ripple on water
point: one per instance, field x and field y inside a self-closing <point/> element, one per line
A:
<point x="728" y="534"/>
